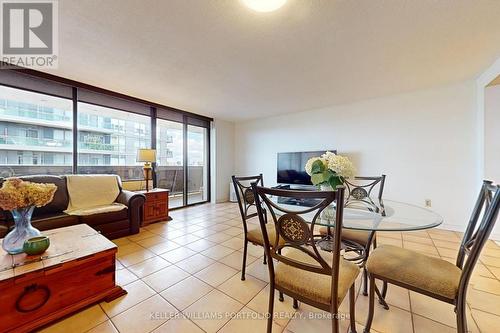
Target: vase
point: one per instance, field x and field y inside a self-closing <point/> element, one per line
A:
<point x="14" y="241"/>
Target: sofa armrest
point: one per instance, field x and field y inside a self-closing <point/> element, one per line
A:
<point x="134" y="201"/>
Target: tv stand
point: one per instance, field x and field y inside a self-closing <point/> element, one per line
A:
<point x="294" y="201"/>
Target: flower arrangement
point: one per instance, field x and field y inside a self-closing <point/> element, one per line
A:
<point x="329" y="169"/>
<point x="16" y="193"/>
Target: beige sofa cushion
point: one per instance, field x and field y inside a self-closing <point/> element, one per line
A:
<point x="314" y="286"/>
<point x="88" y="191"/>
<point x="414" y="269"/>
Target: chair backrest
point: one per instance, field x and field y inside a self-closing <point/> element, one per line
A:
<point x="291" y="227"/>
<point x="361" y="189"/>
<point x="245" y="196"/>
<point x="476" y="235"/>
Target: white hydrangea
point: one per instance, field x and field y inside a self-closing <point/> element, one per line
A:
<point x="341" y="165"/>
<point x="310" y="163"/>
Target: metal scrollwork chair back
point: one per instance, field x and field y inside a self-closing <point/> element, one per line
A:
<point x="481" y="223"/>
<point x="295" y="246"/>
<point x="246" y="201"/>
<point x="362" y="189"/>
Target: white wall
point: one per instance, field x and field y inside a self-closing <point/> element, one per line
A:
<point x="425" y="142"/>
<point x="492" y="139"/>
<point x="492" y="133"/>
<point x="222" y="159"/>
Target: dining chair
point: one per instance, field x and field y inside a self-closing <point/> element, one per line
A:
<point x="360" y="191"/>
<point x="246" y="202"/>
<point x="318" y="278"/>
<point x="433" y="277"/>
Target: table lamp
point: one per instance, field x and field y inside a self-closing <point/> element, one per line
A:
<point x="147" y="156"/>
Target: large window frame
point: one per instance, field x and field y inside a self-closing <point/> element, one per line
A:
<point x="48" y="84"/>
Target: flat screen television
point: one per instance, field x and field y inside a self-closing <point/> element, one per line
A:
<point x="291" y="167"/>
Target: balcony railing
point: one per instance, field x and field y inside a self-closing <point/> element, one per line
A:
<point x="26" y="141"/>
<point x="34" y="114"/>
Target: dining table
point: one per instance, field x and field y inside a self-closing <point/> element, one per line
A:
<point x="366" y="214"/>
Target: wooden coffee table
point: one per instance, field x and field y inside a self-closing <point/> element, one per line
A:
<point x="77" y="270"/>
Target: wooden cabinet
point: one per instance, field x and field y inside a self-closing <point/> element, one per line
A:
<point x="156" y="206"/>
<point x="79" y="271"/>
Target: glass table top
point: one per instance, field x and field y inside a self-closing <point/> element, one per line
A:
<point x="370" y="215"/>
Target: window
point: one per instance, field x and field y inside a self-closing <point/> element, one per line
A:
<point x="197" y="149"/>
<point x="40" y="135"/>
<point x="170" y="159"/>
<point x="28" y="132"/>
<point x="109" y="140"/>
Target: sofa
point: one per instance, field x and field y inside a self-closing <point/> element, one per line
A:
<point x="113" y="224"/>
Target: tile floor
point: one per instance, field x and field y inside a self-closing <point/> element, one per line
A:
<point x="174" y="272"/>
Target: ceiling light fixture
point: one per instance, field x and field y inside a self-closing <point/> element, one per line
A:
<point x="264" y="5"/>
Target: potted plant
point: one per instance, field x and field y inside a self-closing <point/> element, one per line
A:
<point x="21" y="198"/>
<point x="329" y="170"/>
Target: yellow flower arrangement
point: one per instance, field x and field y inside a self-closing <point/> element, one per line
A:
<point x="16" y="193"/>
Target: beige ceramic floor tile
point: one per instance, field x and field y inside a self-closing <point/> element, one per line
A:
<point x="195" y="263"/>
<point x="128" y="248"/>
<point x="186" y="292"/>
<point x="486" y="284"/>
<point x="216" y="305"/>
<point x="178" y="254"/>
<point x="178" y="325"/>
<point x="186" y="239"/>
<point x="124" y="277"/>
<point x="135" y="257"/>
<point x="490" y="261"/>
<point x="258" y="270"/>
<point x="242" y="291"/>
<point x="433" y="309"/>
<point x="487" y="322"/>
<point x="150" y="241"/>
<point x="309" y="319"/>
<point x="218" y="237"/>
<point x="121" y="241"/>
<point x="217" y="252"/>
<point x="424" y="325"/>
<point x="166" y="246"/>
<point x="165" y="278"/>
<point x="106" y="327"/>
<point x="235" y="260"/>
<point x="389" y="241"/>
<point x="200" y="245"/>
<point x="234" y="243"/>
<point x="421" y="248"/>
<point x="148" y="266"/>
<point x="79" y="322"/>
<point x="216" y="274"/>
<point x="394" y="320"/>
<point x="248" y="321"/>
<point x="145" y="316"/>
<point x="397" y="296"/>
<point x="481" y="300"/>
<point x="141" y="235"/>
<point x="283" y="310"/>
<point x="137" y="292"/>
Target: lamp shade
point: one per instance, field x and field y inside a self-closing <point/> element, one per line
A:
<point x="146" y="155"/>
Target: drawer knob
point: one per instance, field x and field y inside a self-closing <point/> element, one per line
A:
<point x="36" y="297"/>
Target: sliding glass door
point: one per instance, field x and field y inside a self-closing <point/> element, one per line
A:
<point x="197" y="159"/>
<point x="170" y="160"/>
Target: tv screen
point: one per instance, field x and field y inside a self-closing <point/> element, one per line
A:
<point x="291" y="167"/>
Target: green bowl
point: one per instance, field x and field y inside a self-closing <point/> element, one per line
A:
<point x="36" y="245"/>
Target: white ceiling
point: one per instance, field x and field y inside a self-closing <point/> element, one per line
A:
<point x="219" y="58"/>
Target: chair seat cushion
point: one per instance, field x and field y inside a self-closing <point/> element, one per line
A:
<point x="314" y="286"/>
<point x="414" y="269"/>
<point x="254" y="234"/>
<point x="358" y="236"/>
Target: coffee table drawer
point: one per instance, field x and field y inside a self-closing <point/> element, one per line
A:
<point x="29" y="298"/>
